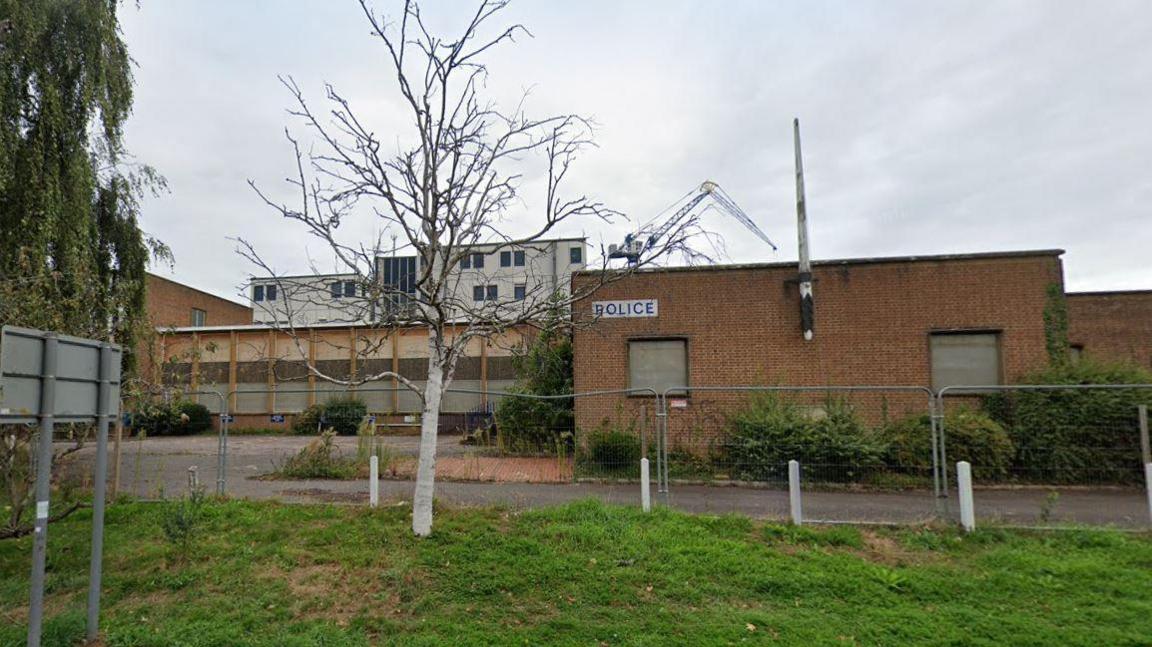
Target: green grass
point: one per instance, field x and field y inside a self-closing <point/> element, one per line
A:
<point x="582" y="574"/>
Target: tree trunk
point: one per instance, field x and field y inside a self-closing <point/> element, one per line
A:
<point x="429" y="422"/>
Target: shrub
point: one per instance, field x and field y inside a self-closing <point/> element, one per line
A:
<point x="613" y="450"/>
<point x="1076" y="436"/>
<point x="344" y="415"/>
<point x="528" y="425"/>
<point x="308" y="420"/>
<point x="768" y="432"/>
<point x="318" y="459"/>
<point x="181" y="520"/>
<point x="969" y="436"/>
<point x="195" y="418"/>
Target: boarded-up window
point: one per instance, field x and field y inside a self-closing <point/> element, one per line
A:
<point x="657" y="364"/>
<point x="965" y="359"/>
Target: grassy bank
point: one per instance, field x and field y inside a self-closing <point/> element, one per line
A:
<point x="583" y="574"/>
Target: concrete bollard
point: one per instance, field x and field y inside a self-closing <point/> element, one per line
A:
<point x="645" y="487"/>
<point x="373" y="481"/>
<point x="1148" y="487"/>
<point x="794" y="492"/>
<point x="967" y="507"/>
<point x="193" y="478"/>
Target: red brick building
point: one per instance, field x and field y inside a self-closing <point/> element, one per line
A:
<point x="927" y="321"/>
<point x="171" y="304"/>
<point x="1112" y="325"/>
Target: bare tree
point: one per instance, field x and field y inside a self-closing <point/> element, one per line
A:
<point x="442" y="195"/>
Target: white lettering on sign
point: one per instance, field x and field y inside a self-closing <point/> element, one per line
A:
<point x="630" y="308"/>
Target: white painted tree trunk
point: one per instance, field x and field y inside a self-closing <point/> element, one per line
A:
<point x="429" y="421"/>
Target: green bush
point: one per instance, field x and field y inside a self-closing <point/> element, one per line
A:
<point x="612" y="450"/>
<point x="319" y="459"/>
<point x="308" y="420"/>
<point x="344" y="415"/>
<point x="195" y="417"/>
<point x="544" y="368"/>
<point x="768" y="432"/>
<point x="1077" y="435"/>
<point x="969" y="436"/>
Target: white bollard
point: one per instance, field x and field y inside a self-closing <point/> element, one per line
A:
<point x="1148" y="487"/>
<point x="373" y="481"/>
<point x="794" y="492"/>
<point x="645" y="487"/>
<point x="967" y="508"/>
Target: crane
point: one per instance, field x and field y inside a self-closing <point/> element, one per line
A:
<point x="634" y="247"/>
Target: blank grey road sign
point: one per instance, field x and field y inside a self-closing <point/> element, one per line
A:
<point x="77" y="376"/>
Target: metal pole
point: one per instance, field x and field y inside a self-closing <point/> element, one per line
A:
<point x="807" y="308"/>
<point x="224" y="458"/>
<point x="935" y="454"/>
<point x="1145" y="446"/>
<point x="220" y="455"/>
<point x="116" y="452"/>
<point x="43" y="476"/>
<point x="103" y="412"/>
<point x="964" y="484"/>
<point x="794" y="492"/>
<point x="645" y="486"/>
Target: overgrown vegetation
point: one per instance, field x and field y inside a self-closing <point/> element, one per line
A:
<point x="769" y="431"/>
<point x="265" y="575"/>
<point x="319" y="459"/>
<point x="179" y="418"/>
<point x="343" y="415"/>
<point x="1075" y="435"/>
<point x="609" y="450"/>
<point x="537" y="426"/>
<point x="971" y="436"/>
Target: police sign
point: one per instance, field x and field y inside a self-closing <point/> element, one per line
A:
<point x="632" y="308"/>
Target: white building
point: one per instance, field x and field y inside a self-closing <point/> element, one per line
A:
<point x="490" y="274"/>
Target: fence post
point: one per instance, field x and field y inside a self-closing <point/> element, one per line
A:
<point x="964" y="484"/>
<point x="794" y="492"/>
<point x="373" y="481"/>
<point x="645" y="488"/>
<point x="1146" y="454"/>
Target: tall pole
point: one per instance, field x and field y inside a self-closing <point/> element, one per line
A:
<point x="807" y="308"/>
<point x="43" y="488"/>
<point x="105" y="411"/>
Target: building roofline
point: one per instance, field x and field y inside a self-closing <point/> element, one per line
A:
<point x="876" y="260"/>
<point x="1110" y="293"/>
<point x="293" y="277"/>
<point x="204" y="292"/>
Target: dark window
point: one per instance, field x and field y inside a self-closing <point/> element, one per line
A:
<point x="400" y="279"/>
<point x="657" y="364"/>
<point x="965" y="359"/>
<point x="466" y="262"/>
<point x="505" y="259"/>
<point x="478" y="293"/>
<point x="258" y="293"/>
<point x="1075" y="352"/>
<point x="519" y="259"/>
<point x="337" y="289"/>
<point x="270" y="292"/>
<point x="199" y="317"/>
<point x="478" y="261"/>
<point x="349" y="288"/>
<point x="491" y="293"/>
<point x="519" y="292"/>
<point x="576" y="255"/>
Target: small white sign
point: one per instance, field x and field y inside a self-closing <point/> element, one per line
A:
<point x="678" y="404"/>
<point x="628" y="308"/>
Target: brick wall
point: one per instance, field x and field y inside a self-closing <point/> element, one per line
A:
<point x="1112" y="325"/>
<point x="170" y="304"/>
<point x="873" y="320"/>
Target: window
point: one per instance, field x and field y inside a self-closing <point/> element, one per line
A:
<point x="258" y="293"/>
<point x="337" y="289"/>
<point x="478" y="293"/>
<point x="466" y="262"/>
<point x="657" y="364"/>
<point x="399" y="276"/>
<point x="519" y="291"/>
<point x="491" y="293"/>
<point x="965" y="359"/>
<point x="1075" y="352"/>
<point x="518" y="259"/>
<point x="576" y="255"/>
<point x="478" y="261"/>
<point x="349" y="288"/>
<point x="199" y="317"/>
<point x="270" y="292"/>
<point x="505" y="259"/>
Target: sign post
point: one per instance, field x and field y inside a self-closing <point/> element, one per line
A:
<point x="46" y="377"/>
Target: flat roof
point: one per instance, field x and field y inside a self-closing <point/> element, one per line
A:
<point x="874" y="260"/>
<point x="1111" y="293"/>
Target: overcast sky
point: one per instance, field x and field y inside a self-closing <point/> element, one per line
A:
<point x="929" y="127"/>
